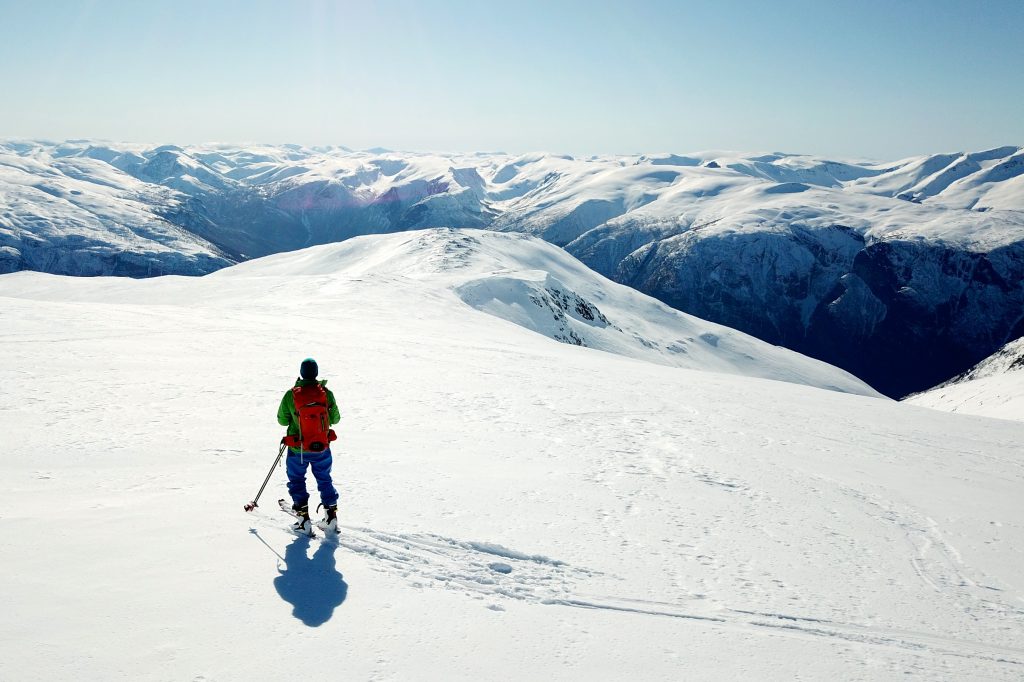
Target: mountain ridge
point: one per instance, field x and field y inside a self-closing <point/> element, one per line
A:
<point x="518" y="279"/>
<point x="919" y="260"/>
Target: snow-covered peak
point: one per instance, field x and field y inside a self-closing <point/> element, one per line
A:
<point x="539" y="287"/>
<point x="984" y="180"/>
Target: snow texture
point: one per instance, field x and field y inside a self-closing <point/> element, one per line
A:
<point x="512" y="505"/>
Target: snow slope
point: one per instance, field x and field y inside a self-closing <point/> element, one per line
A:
<point x="993" y="388"/>
<point x="513" y="507"/>
<point x="904" y="273"/>
<point x="535" y="285"/>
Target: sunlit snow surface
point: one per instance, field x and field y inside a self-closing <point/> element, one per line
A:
<point x="993" y="388"/>
<point x="512" y="506"/>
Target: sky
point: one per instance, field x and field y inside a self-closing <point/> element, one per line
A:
<point x="866" y="79"/>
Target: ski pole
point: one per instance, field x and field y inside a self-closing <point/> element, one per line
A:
<point x="252" y="505"/>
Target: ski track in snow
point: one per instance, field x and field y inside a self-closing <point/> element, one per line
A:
<point x="937" y="562"/>
<point x="661" y="456"/>
<point x="427" y="560"/>
<point x="551" y="506"/>
<point x="478" y="568"/>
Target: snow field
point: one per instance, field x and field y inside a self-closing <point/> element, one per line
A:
<point x="513" y="507"/>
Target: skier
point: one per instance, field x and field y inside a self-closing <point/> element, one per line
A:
<point x="308" y="410"/>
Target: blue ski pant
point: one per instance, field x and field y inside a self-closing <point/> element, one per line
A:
<point x="320" y="463"/>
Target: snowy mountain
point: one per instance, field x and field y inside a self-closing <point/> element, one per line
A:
<point x="512" y="506"/>
<point x="518" y="279"/>
<point x="993" y="388"/>
<point x="905" y="273"/>
<point x="537" y="286"/>
<point x="900" y="294"/>
<point x="77" y="214"/>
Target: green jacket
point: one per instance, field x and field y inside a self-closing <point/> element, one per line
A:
<point x="288" y="416"/>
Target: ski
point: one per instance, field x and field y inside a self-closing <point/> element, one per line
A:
<point x="287" y="508"/>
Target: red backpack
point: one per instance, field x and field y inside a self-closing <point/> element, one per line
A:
<point x="315" y="432"/>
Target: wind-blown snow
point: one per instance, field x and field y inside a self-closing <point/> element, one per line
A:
<point x="511" y="506"/>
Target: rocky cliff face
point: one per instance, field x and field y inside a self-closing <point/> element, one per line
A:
<point x="904" y="273"/>
<point x="902" y="315"/>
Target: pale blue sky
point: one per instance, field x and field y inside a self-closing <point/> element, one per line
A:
<point x="830" y="77"/>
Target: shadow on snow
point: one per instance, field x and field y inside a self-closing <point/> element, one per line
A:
<point x="313" y="585"/>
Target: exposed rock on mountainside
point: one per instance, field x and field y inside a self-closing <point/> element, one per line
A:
<point x="906" y="273"/>
<point x="898" y="313"/>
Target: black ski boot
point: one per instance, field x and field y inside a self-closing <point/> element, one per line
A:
<point x="303" y="524"/>
<point x="330" y="520"/>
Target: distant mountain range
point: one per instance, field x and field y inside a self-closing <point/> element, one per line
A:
<point x="904" y="273"/>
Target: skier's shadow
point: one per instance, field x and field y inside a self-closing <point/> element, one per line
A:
<point x="312" y="585"/>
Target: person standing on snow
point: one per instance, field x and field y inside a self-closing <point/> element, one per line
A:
<point x="308" y="410"/>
